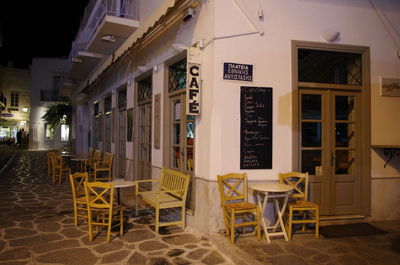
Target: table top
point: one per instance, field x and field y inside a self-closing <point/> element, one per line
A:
<point x="79" y="159"/>
<point x="271" y="187"/>
<point x="121" y="183"/>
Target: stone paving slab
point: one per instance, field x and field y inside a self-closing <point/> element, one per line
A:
<point x="36" y="227"/>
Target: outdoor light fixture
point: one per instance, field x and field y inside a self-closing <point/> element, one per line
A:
<point x="76" y="60"/>
<point x="330" y="35"/>
<point x="108" y="38"/>
<point x="25" y="109"/>
<point x="179" y="47"/>
<point x="141" y="68"/>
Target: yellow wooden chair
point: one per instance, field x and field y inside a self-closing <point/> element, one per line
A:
<point x="77" y="181"/>
<point x="101" y="208"/>
<point x="60" y="171"/>
<point x="102" y="165"/>
<point x="49" y="163"/>
<point x="299" y="209"/>
<point x="237" y="211"/>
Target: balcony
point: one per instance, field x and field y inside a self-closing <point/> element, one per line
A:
<point x="105" y="26"/>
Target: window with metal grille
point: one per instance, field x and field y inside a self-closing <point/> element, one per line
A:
<point x="122" y="99"/>
<point x="177" y="76"/>
<point x="144" y="89"/>
<point x="14" y="99"/>
<point x="329" y="67"/>
<point x="96" y="110"/>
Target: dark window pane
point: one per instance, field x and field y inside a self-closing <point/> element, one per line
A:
<point x="311" y="161"/>
<point x="344" y="107"/>
<point x="311" y="134"/>
<point x="343" y="133"/>
<point x="145" y="89"/>
<point x="310" y="107"/>
<point x="329" y="67"/>
<point x="177" y="76"/>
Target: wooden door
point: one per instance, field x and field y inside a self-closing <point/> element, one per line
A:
<point x="121" y="150"/>
<point x="144" y="141"/>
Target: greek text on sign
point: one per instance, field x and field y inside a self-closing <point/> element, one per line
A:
<point x="238" y="72"/>
<point x="193" y="89"/>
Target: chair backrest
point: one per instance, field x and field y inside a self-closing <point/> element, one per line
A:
<point x="99" y="194"/>
<point x="299" y="182"/>
<point x="107" y="160"/>
<point x="232" y="187"/>
<point x="56" y="160"/>
<point x="90" y="152"/>
<point x="96" y="156"/>
<point x="77" y="181"/>
<point x="174" y="180"/>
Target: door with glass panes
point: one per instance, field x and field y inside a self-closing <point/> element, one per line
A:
<point x="330" y="148"/>
<point x="332" y="117"/>
<point x="144" y="97"/>
<point x="181" y="127"/>
<point x="121" y="134"/>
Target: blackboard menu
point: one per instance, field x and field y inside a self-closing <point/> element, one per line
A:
<point x="256" y="127"/>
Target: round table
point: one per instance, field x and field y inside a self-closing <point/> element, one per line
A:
<point x="122" y="183"/>
<point x="275" y="191"/>
<point x="82" y="162"/>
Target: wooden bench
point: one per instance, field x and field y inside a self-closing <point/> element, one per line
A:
<point x="171" y="193"/>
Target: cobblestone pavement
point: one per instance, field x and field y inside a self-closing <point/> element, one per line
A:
<point x="36" y="227"/>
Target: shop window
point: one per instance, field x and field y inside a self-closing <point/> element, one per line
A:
<point x="177" y="76"/>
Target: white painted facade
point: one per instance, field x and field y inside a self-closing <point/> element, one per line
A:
<point x="233" y="31"/>
<point x="44" y="72"/>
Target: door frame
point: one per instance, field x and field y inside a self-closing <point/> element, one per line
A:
<point x="365" y="174"/>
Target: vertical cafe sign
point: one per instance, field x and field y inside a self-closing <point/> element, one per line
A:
<point x="256" y="128"/>
<point x="193" y="89"/>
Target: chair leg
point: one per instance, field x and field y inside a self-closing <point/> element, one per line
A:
<point x="109" y="225"/>
<point x="183" y="217"/>
<point x="233" y="226"/>
<point x="157" y="219"/>
<point x="290" y="223"/>
<point x="90" y="225"/>
<point x="75" y="215"/>
<point x="121" y="224"/>
<point x="317" y="223"/>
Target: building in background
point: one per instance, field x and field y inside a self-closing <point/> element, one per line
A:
<point x="212" y="87"/>
<point x="15" y="92"/>
<point x="46" y="90"/>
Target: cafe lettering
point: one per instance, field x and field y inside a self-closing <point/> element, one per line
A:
<point x="193" y="91"/>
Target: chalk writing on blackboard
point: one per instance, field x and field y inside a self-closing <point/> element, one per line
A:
<point x="256" y="128"/>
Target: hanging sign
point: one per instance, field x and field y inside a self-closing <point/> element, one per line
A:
<point x="238" y="72"/>
<point x="193" y="84"/>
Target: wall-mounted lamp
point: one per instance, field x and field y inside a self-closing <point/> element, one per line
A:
<point x="76" y="60"/>
<point x="155" y="68"/>
<point x="179" y="47"/>
<point x="330" y="35"/>
<point x="141" y="69"/>
<point x="25" y="109"/>
<point x="108" y="38"/>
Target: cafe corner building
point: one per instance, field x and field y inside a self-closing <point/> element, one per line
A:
<point x="258" y="87"/>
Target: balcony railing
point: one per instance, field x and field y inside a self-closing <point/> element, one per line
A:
<point x="97" y="9"/>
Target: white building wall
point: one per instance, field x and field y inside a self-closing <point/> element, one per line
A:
<point x="43" y="71"/>
<point x="240" y="36"/>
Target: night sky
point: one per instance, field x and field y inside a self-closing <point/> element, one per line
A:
<point x="41" y="28"/>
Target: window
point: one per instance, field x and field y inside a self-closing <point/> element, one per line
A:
<point x="49" y="131"/>
<point x="14" y="99"/>
<point x="64" y="133"/>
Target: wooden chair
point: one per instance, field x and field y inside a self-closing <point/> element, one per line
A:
<point x="77" y="181"/>
<point x="49" y="163"/>
<point x="102" y="165"/>
<point x="171" y="193"/>
<point x="60" y="171"/>
<point x="101" y="208"/>
<point x="299" y="209"/>
<point x="233" y="191"/>
<point x="92" y="159"/>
